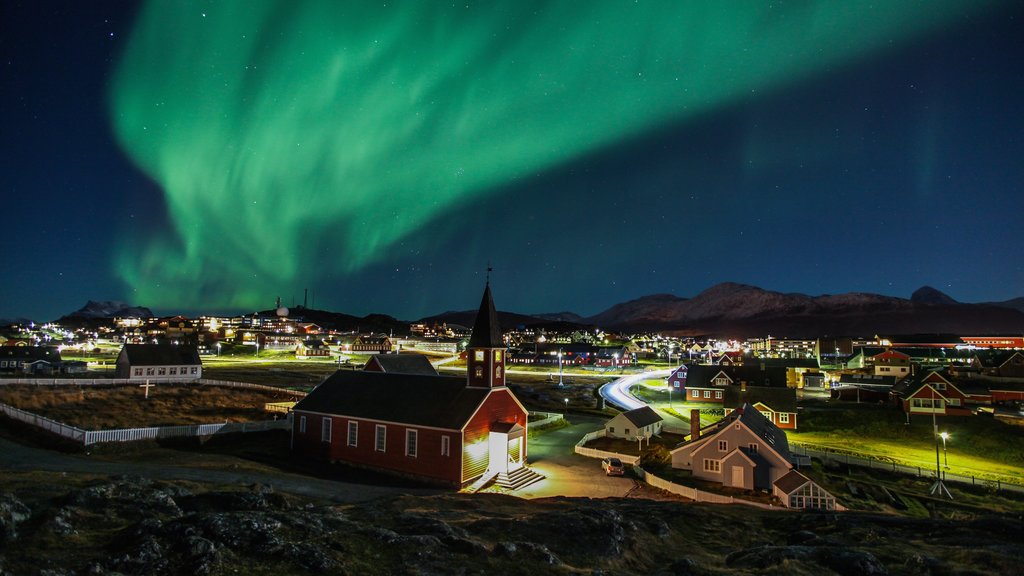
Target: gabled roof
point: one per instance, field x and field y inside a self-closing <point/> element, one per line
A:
<point x="161" y="355"/>
<point x="791" y="482"/>
<point x="784" y="362"/>
<point x="402" y="364"/>
<point x="30" y="353"/>
<point x="773" y="437"/>
<point x="435" y="401"/>
<point x="911" y="384"/>
<point x="701" y="375"/>
<point x="778" y="399"/>
<point x="996" y="359"/>
<point x="643" y="416"/>
<point x="486" y="330"/>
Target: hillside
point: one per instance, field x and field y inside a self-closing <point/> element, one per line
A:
<point x="740" y="310"/>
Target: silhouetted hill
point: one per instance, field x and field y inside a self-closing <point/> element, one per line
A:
<point x="740" y="310"/>
<point x="378" y="323"/>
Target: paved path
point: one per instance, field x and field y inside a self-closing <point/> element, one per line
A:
<point x="16" y="457"/>
<point x="569" y="474"/>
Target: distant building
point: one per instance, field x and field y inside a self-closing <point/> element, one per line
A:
<point x="643" y="422"/>
<point x="29" y="360"/>
<point x="931" y="392"/>
<point x="159" y="362"/>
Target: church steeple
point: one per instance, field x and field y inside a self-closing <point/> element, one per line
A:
<point x="486" y="352"/>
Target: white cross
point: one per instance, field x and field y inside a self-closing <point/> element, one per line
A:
<point x="147" y="386"/>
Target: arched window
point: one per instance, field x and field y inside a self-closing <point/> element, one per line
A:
<point x="479" y="371"/>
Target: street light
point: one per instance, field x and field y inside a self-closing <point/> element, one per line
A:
<point x="566" y="412"/>
<point x="945" y="457"/>
<point x="218" y="348"/>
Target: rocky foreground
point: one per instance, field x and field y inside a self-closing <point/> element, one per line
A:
<point x="130" y="525"/>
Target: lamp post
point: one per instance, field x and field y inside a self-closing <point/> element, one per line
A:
<point x="945" y="456"/>
<point x="939" y="487"/>
<point x="218" y="348"/>
<point x="560" y="369"/>
<point x="566" y="411"/>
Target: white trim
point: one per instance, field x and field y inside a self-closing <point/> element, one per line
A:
<point x="351" y="439"/>
<point x="326" y="432"/>
<point x="415" y="442"/>
<point x="484" y="401"/>
<point x="377" y="437"/>
<point x="302" y="424"/>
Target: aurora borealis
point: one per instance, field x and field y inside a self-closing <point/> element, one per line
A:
<point x="382" y="153"/>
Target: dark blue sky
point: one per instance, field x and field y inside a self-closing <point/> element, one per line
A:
<point x="882" y="174"/>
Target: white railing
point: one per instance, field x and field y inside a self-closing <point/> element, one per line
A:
<point x="154" y="433"/>
<point x="88" y="437"/>
<point x="548" y="418"/>
<point x="231" y="384"/>
<point x="695" y="494"/>
<point x="58" y="428"/>
<point x="582" y="450"/>
<point x="126" y="381"/>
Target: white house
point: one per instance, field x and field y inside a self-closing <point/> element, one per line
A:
<point x="639" y="422"/>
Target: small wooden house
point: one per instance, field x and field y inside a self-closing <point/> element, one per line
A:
<point x="159" y="362"/>
<point x="640" y="422"/>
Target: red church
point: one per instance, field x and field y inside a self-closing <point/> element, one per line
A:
<point x="442" y="429"/>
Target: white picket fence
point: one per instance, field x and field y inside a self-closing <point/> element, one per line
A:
<point x="548" y="418"/>
<point x="88" y="437"/>
<point x="695" y="494"/>
<point x="595" y="453"/>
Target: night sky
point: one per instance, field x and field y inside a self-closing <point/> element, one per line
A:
<point x="212" y="156"/>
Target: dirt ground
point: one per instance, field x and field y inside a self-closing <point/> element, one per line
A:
<point x="112" y="407"/>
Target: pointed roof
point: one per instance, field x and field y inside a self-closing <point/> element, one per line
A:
<point x="486" y="331"/>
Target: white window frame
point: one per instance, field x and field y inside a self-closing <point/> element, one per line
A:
<point x="325" y="429"/>
<point x="718" y="394"/>
<point x="707" y="393"/>
<point x="380" y="437"/>
<point x="712" y="465"/>
<point x="353" y="433"/>
<point x="446" y="446"/>
<point x="302" y="424"/>
<point x="412" y="437"/>
<point x="723" y="445"/>
<point x="783" y="417"/>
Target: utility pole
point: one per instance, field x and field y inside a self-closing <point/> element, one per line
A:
<point x="939" y="487"/>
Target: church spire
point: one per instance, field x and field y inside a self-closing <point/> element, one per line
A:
<point x="486" y="331"/>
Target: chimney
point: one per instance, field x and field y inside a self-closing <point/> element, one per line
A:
<point x="694" y="424"/>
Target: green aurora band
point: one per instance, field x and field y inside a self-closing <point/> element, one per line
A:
<point x="294" y="139"/>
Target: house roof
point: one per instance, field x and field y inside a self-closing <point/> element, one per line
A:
<point x="778" y="399"/>
<point x="995" y="359"/>
<point x="911" y="384"/>
<point x="700" y="375"/>
<point x="486" y="330"/>
<point x="643" y="416"/>
<point x="161" y="355"/>
<point x="773" y="437"/>
<point x="436" y="401"/>
<point x="30" y="353"/>
<point x="403" y="364"/>
<point x="791" y="481"/>
<point x="783" y="362"/>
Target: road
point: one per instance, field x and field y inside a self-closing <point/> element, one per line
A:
<point x="618" y="394"/>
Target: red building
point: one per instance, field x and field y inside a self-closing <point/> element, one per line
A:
<point x="438" y="428"/>
<point x="931" y="392"/>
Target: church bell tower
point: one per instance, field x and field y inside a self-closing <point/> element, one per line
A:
<point x="485" y="365"/>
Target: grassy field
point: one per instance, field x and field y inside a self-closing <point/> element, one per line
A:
<point x="102" y="408"/>
<point x="978" y="445"/>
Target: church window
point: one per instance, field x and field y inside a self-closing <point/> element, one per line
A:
<point x="479" y="372"/>
<point x="479" y="355"/>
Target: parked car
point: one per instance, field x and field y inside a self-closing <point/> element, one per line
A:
<point x="613" y="467"/>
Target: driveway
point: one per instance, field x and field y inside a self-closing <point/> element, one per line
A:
<point x="569" y="474"/>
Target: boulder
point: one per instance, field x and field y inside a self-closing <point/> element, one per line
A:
<point x="12" y="513"/>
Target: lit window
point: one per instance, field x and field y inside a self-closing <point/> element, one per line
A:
<point x="497" y="355"/>
<point x="325" y="430"/>
<point x="479" y="372"/>
<point x="479" y="355"/>
<point x="381" y="438"/>
<point x="353" y="433"/>
<point x="411" y="437"/>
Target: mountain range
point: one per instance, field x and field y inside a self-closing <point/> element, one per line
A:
<point x="725" y="310"/>
<point x="739" y="310"/>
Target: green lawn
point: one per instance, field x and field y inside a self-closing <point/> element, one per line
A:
<point x="978" y="445"/>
